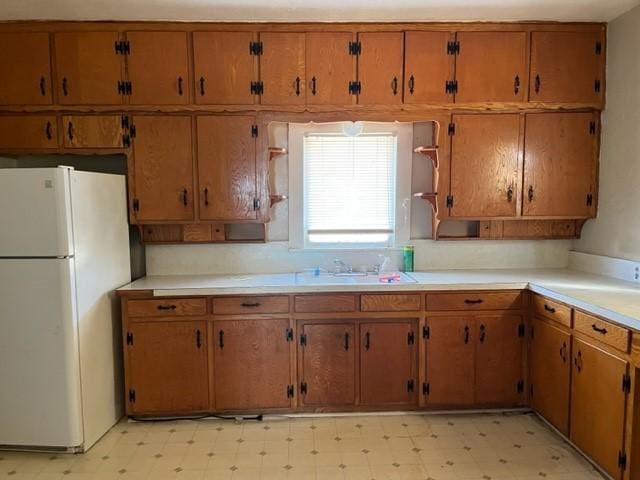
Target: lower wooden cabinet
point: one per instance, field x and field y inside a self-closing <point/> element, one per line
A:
<point x="28" y="132"/>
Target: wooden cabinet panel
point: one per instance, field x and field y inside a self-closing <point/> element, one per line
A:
<point x="390" y="302"/>
<point x="559" y="164"/>
<point x="552" y="310"/>
<point x="224" y="68"/>
<point x="251" y="364"/>
<point x="450" y="342"/>
<point x="244" y="305"/>
<point x="282" y="68"/>
<point x="92" y="131"/>
<point x="485" y="151"/>
<point x="491" y="67"/>
<point x="88" y="69"/>
<point x="325" y="303"/>
<point x="470" y="301"/>
<point x="550" y="368"/>
<point x="163" y="168"/>
<point x="158" y="68"/>
<point x="608" y="333"/>
<point x="167" y="307"/>
<point x="499" y="367"/>
<point x="387" y="363"/>
<point x="328" y="361"/>
<point x="598" y="404"/>
<point x="227" y="168"/>
<point x="329" y="68"/>
<point x="380" y="65"/>
<point x="567" y="67"/>
<point x="28" y="132"/>
<point x="26" y="66"/>
<point x="168" y="367"/>
<point x="427" y="67"/>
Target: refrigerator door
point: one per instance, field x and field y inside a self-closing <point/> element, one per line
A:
<point x="35" y="213"/>
<point x="40" y="400"/>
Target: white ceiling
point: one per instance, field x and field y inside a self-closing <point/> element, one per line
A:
<point x="315" y="10"/>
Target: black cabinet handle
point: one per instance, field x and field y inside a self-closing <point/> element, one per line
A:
<point x="184" y="197"/>
<point x="250" y="304"/>
<point x="43" y="90"/>
<point x="537" y="84"/>
<point x="394" y="85"/>
<point x="469" y="301"/>
<point x="412" y="84"/>
<point x="180" y="92"/>
<point x="65" y="87"/>
<point x="70" y="131"/>
<point x="47" y="131"/>
<point x="166" y="307"/>
<point x="516" y="85"/>
<point x="206" y="197"/>
<point x="578" y="361"/>
<point x="198" y="338"/>
<point x="298" y="86"/>
<point x="367" y="341"/>
<point x="549" y="309"/>
<point x="202" y="86"/>
<point x="563" y="352"/>
<point x="598" y="329"/>
<point x="530" y="193"/>
<point x="313" y="85"/>
<point x="346" y="341"/>
<point x="510" y="193"/>
<point x="483" y="333"/>
<point x="221" y="338"/>
<point x="466" y="334"/>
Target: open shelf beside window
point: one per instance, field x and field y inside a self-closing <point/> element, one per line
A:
<point x="431" y="198"/>
<point x="276" y="152"/>
<point x="273" y="199"/>
<point x="431" y="152"/>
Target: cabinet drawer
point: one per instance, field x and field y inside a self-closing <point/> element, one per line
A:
<point x="474" y="301"/>
<point x="390" y="303"/>
<point x="233" y="305"/>
<point x="325" y="303"/>
<point x="552" y="310"/>
<point x="168" y="307"/>
<point x="613" y="335"/>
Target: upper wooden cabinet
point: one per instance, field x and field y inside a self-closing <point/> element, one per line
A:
<point x="491" y="67"/>
<point x="329" y="68"/>
<point x="224" y="68"/>
<point x="26" y="69"/>
<point x="158" y="68"/>
<point x="380" y="65"/>
<point x="560" y="162"/>
<point x="427" y="67"/>
<point x="28" y="132"/>
<point x="89" y="69"/>
<point x="567" y="67"/>
<point x="282" y="68"/>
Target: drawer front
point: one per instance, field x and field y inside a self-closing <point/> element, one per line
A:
<point x="168" y="307"/>
<point x="474" y="301"/>
<point x="248" y="305"/>
<point x="390" y="303"/>
<point x="552" y="310"/>
<point x="325" y="303"/>
<point x="613" y="335"/>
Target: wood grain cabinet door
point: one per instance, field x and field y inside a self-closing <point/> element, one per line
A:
<point x="251" y="364"/>
<point x="491" y="67"/>
<point x="328" y="361"/>
<point x="167" y="367"/>
<point x="567" y="67"/>
<point x="427" y="67"/>
<point x="26" y="68"/>
<point x="329" y="68"/>
<point x="550" y="369"/>
<point x="158" y="68"/>
<point x="282" y="68"/>
<point x="28" y="132"/>
<point x="92" y="131"/>
<point x="560" y="161"/>
<point x="598" y="404"/>
<point x="450" y="360"/>
<point x="485" y="152"/>
<point x="88" y="68"/>
<point x="387" y="363"/>
<point x="499" y="362"/>
<point x="224" y="68"/>
<point x="162" y="169"/>
<point x="380" y="66"/>
<point x="227" y="168"/>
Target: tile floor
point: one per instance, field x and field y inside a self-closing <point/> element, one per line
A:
<point x="400" y="447"/>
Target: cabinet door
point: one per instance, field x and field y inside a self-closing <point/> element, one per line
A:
<point x="491" y="67"/>
<point x="329" y="67"/>
<point x="550" y="373"/>
<point x="25" y="63"/>
<point x="158" y="68"/>
<point x="328" y="362"/>
<point x="380" y="68"/>
<point x="163" y="168"/>
<point x="28" y="132"/>
<point x="227" y="168"/>
<point x="251" y="364"/>
<point x="387" y="363"/>
<point x="499" y="365"/>
<point x="485" y="151"/>
<point x="451" y="342"/>
<point x="567" y="67"/>
<point x="92" y="131"/>
<point x="224" y="68"/>
<point x="427" y="67"/>
<point x="282" y="68"/>
<point x="598" y="404"/>
<point x="88" y="68"/>
<point x="168" y="367"/>
<point x="559" y="164"/>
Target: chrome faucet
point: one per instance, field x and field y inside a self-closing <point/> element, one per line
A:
<point x="342" y="267"/>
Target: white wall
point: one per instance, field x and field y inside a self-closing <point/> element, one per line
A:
<point x="616" y="231"/>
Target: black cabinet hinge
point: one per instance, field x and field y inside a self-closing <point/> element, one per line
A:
<point x="125" y="88"/>
<point x="598" y="47"/>
<point x="126" y="140"/>
<point x="129" y="338"/>
<point x="410" y="385"/>
<point x="255" y="48"/>
<point x="355" y="48"/>
<point x="124" y="122"/>
<point x="257" y="88"/>
<point x="132" y="131"/>
<point x="452" y="129"/>
<point x="449" y="201"/>
<point x="596" y="86"/>
<point x="451" y="87"/>
<point x="303" y="340"/>
<point x="426" y="331"/>
<point x="626" y="383"/>
<point x="254" y="131"/>
<point x="289" y="391"/>
<point x="426" y="388"/>
<point x="521" y="330"/>
<point x="592" y="128"/>
<point x="411" y="338"/>
<point x="256" y="204"/>
<point x="289" y="334"/>
<point x="355" y="87"/>
<point x="122" y="47"/>
<point x="453" y="47"/>
<point x="622" y="460"/>
<point x="303" y="388"/>
<point x="520" y="386"/>
<point x="132" y="396"/>
<point x="589" y="199"/>
<point x="136" y="205"/>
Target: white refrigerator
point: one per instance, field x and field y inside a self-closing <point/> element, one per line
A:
<point x="64" y="248"/>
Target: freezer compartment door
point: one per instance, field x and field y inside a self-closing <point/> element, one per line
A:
<point x="36" y="212"/>
<point x="40" y="399"/>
